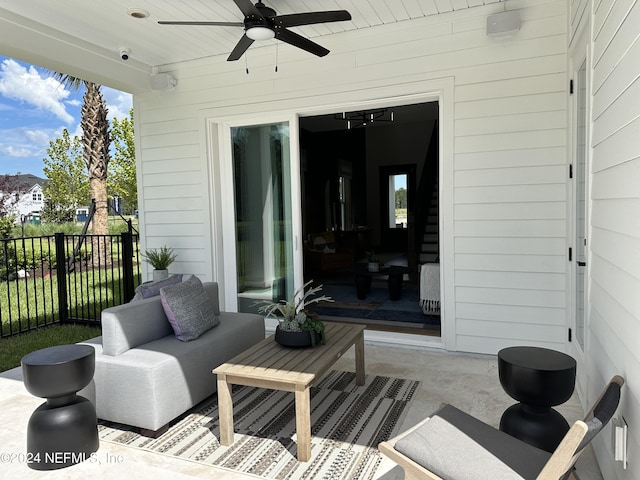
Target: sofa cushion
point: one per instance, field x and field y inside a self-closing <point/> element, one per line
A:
<point x="133" y="324"/>
<point x="149" y="386"/>
<point x="188" y="309"/>
<point x="152" y="289"/>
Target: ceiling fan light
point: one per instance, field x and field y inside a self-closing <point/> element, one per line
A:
<point x="260" y="33"/>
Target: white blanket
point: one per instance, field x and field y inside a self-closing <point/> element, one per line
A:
<point x="430" y="288"/>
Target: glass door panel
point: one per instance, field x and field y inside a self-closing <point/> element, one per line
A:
<point x="263" y="213"/>
<point x="580" y="204"/>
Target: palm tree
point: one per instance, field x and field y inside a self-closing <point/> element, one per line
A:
<point x="95" y="141"/>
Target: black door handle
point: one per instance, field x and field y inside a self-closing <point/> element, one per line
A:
<point x="582" y="264"/>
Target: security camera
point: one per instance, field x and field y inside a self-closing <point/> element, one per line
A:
<point x="124" y="53"/>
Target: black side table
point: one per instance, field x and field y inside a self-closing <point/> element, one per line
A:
<point x="394" y="273"/>
<point x="63" y="430"/>
<point x="539" y="379"/>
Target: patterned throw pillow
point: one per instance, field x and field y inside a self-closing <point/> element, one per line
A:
<point x="188" y="309"/>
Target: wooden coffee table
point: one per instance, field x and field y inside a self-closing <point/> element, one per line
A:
<point x="269" y="365"/>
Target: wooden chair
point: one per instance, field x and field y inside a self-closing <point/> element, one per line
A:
<point x="453" y="445"/>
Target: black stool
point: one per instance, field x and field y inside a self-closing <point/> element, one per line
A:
<point x="63" y="430"/>
<point x="539" y="379"/>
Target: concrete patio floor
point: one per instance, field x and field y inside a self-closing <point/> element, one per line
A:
<point x="469" y="382"/>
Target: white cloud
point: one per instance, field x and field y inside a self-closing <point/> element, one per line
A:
<point x="118" y="103"/>
<point x="11" y="151"/>
<point x="40" y="137"/>
<point x="25" y="84"/>
<point x="26" y="142"/>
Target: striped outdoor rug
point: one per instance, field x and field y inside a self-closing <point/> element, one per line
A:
<point x="347" y="423"/>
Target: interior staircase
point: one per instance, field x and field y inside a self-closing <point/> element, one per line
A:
<point x="429" y="248"/>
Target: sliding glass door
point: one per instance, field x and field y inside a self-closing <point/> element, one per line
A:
<point x="263" y="207"/>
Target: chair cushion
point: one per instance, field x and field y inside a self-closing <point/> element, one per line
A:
<point x="152" y="289"/>
<point x="602" y="412"/>
<point x="455" y="445"/>
<point x="188" y="309"/>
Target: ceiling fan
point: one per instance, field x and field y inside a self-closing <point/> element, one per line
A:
<point x="262" y="23"/>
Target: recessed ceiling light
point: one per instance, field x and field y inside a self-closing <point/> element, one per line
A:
<point x="137" y="13"/>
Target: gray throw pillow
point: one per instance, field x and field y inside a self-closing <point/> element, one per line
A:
<point x="152" y="289"/>
<point x="188" y="309"/>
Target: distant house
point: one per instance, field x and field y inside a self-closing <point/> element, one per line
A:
<point x="30" y="199"/>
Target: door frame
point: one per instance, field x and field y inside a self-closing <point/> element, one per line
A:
<point x="225" y="267"/>
<point x="426" y="90"/>
<point x="579" y="53"/>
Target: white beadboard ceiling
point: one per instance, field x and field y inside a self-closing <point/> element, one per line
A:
<point x="105" y="26"/>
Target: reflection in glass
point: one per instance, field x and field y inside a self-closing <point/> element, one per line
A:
<point x="262" y="188"/>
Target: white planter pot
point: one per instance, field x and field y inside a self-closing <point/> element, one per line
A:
<point x="160" y="275"/>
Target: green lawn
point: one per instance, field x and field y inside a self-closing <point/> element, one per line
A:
<point x="14" y="348"/>
<point x="33" y="303"/>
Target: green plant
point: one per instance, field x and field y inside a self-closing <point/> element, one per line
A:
<point x="294" y="315"/>
<point x="372" y="257"/>
<point x="160" y="258"/>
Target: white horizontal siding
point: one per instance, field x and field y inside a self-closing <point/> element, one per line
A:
<point x="512" y="263"/>
<point x="504" y="279"/>
<point x="614" y="271"/>
<point x="511" y="193"/>
<point x="510" y="202"/>
<point x="511" y="228"/>
<point x="511" y="211"/>
<point x="510" y="245"/>
<point x="505" y="207"/>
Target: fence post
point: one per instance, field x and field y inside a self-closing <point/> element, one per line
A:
<point x="127" y="265"/>
<point x="61" y="277"/>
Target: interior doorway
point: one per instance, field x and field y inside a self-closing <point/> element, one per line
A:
<point x="369" y="180"/>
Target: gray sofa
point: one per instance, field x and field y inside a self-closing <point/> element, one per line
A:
<point x="145" y="377"/>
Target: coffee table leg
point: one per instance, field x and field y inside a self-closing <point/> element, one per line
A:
<point x="303" y="423"/>
<point x="360" y="359"/>
<point x="225" y="411"/>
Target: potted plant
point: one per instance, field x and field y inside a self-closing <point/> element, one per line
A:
<point x="297" y="326"/>
<point x="160" y="259"/>
<point x="373" y="261"/>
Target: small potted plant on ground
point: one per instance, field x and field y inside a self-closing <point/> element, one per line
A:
<point x="373" y="261"/>
<point x="160" y="259"/>
<point x="298" y="327"/>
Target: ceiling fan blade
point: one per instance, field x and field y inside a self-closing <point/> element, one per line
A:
<point x="299" y="41"/>
<point x="241" y="47"/>
<point x="247" y="8"/>
<point x="298" y="19"/>
<point x="219" y="24"/>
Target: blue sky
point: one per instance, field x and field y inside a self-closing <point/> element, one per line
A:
<point x="34" y="108"/>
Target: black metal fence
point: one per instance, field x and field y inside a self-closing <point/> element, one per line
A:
<point x="65" y="278"/>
